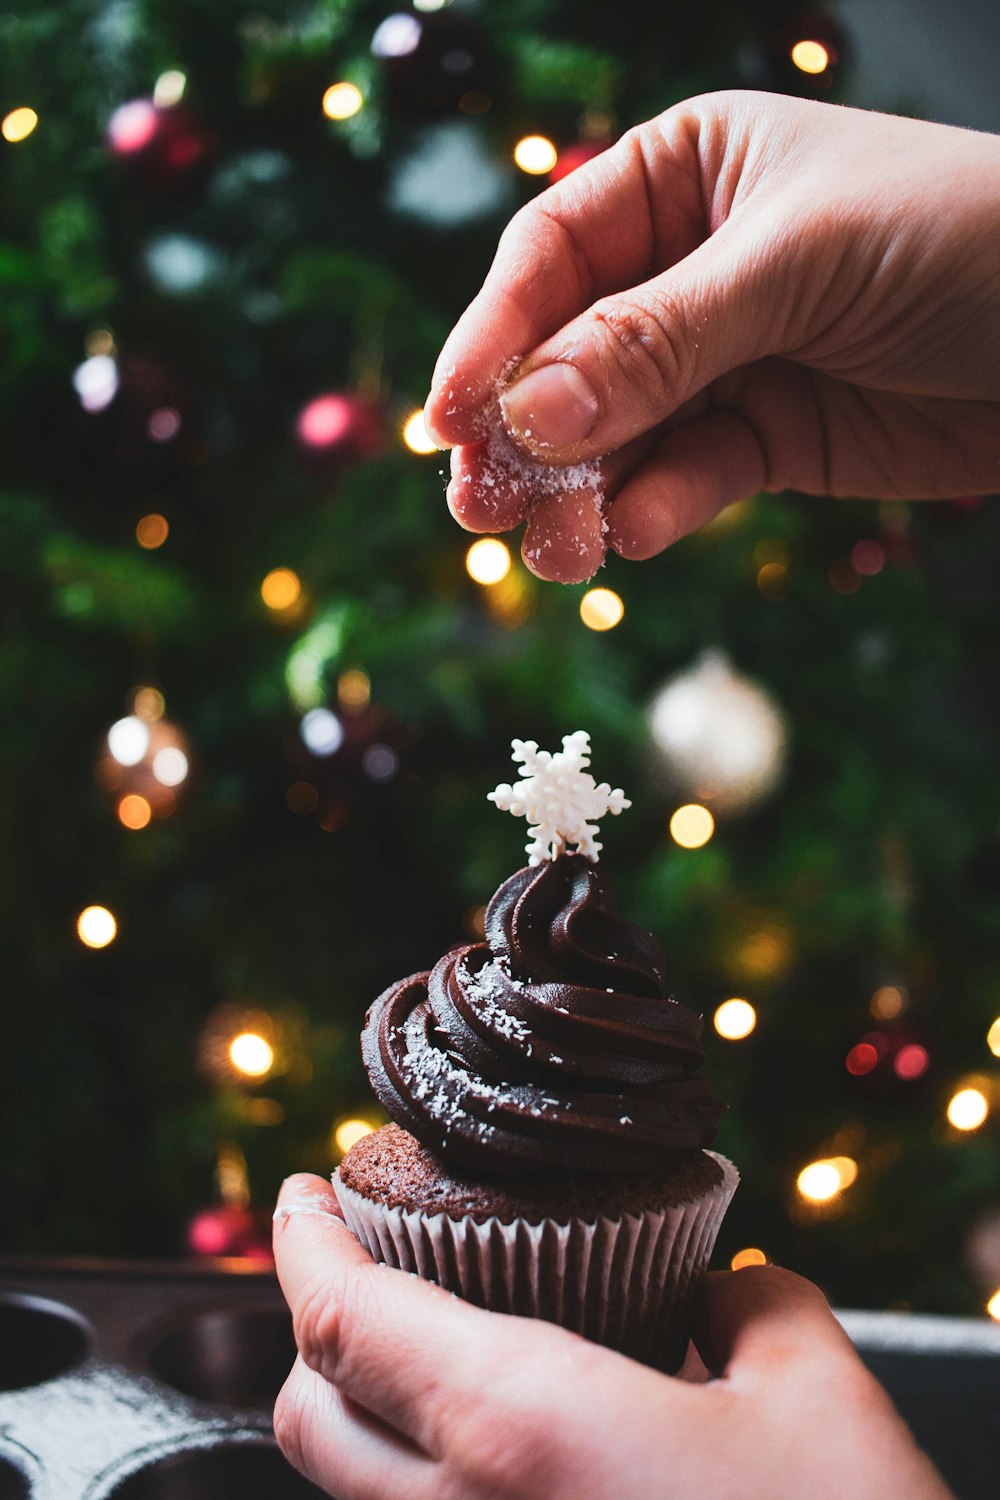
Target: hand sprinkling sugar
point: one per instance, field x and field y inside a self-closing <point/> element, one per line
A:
<point x="558" y="795"/>
<point x="698" y="314"/>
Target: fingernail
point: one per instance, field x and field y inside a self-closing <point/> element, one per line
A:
<point x="300" y="1188"/>
<point x="554" y="407"/>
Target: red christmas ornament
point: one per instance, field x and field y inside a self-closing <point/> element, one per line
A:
<point x="227" y="1230"/>
<point x="163" y="147"/>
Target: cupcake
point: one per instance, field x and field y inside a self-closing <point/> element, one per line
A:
<point x="548" y="1156"/>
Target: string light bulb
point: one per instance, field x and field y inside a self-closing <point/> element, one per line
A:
<point x="168" y="89"/>
<point x="749" y="1257"/>
<point x="415" y="434"/>
<point x="967" y="1109"/>
<point x="170" y="765"/>
<point x="822" y="1180"/>
<point x="134" y="811"/>
<point x="152" y="531"/>
<point x="251" y="1054"/>
<point x="281" y="589"/>
<point x="601" y="609"/>
<point x="347" y="1133"/>
<point x="128" y="740"/>
<point x="19" y="124"/>
<point x="536" y="155"/>
<point x="993" y="1306"/>
<point x="488" y="560"/>
<point x="735" y="1019"/>
<point x="96" y="927"/>
<point x="993" y="1038"/>
<point x="692" y="826"/>
<point x="810" y="57"/>
<point x="354" y="690"/>
<point x="888" y="1002"/>
<point x="342" y="100"/>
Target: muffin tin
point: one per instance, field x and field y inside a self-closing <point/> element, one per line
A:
<point x="129" y="1382"/>
<point x="141" y="1382"/>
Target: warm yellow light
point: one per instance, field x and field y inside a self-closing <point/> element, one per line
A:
<point x="968" y="1109"/>
<point x="341" y="101"/>
<point x="415" y="434"/>
<point x="354" y="690"/>
<point x="993" y="1038"/>
<point x="96" y="927"/>
<point x="349" y="1132"/>
<point x="601" y="609"/>
<point x="993" y="1305"/>
<point x="691" y="826"/>
<point x="251" y="1054"/>
<point x="735" y="1019"/>
<point x="810" y="57"/>
<point x="148" y="704"/>
<point x="749" y="1257"/>
<point x="536" y="155"/>
<point x="822" y="1180"/>
<point x="152" y="531"/>
<point x="18" y="124"/>
<point x="134" y="811"/>
<point x="281" y="588"/>
<point x="488" y="560"/>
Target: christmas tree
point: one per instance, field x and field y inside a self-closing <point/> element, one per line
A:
<point x="256" y="684"/>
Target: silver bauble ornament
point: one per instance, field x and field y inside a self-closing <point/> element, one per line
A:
<point x="718" y="737"/>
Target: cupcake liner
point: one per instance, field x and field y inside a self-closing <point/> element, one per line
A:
<point x="626" y="1283"/>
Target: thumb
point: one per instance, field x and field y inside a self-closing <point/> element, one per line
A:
<point x="628" y="363"/>
<point x="763" y="1318"/>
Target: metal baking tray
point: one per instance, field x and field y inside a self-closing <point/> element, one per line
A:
<point x="125" y="1381"/>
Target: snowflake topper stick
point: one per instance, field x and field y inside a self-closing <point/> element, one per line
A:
<point x="558" y="796"/>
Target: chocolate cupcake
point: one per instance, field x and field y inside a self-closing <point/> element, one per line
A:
<point x="548" y="1156"/>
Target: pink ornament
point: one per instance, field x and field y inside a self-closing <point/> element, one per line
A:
<point x="341" y="424"/>
<point x="227" y="1230"/>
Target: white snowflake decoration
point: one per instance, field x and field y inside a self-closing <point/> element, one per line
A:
<point x="558" y="797"/>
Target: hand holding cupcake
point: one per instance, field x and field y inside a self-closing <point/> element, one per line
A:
<point x="548" y="1152"/>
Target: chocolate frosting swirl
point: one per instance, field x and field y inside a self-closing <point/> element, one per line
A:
<point x="549" y="1047"/>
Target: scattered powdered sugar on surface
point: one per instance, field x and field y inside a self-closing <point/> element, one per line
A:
<point x="93" y="1419"/>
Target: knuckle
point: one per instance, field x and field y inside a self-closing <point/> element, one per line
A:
<point x="319" y="1322"/>
<point x="644" y="339"/>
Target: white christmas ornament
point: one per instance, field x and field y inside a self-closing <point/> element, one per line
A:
<point x="721" y="737"/>
<point x="558" y="797"/>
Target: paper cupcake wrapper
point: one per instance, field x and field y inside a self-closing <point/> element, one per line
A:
<point x="626" y="1283"/>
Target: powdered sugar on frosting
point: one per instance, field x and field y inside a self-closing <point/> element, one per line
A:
<point x="488" y="989"/>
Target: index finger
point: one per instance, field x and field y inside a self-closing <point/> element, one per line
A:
<point x="403" y="1348"/>
<point x="598" y="231"/>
